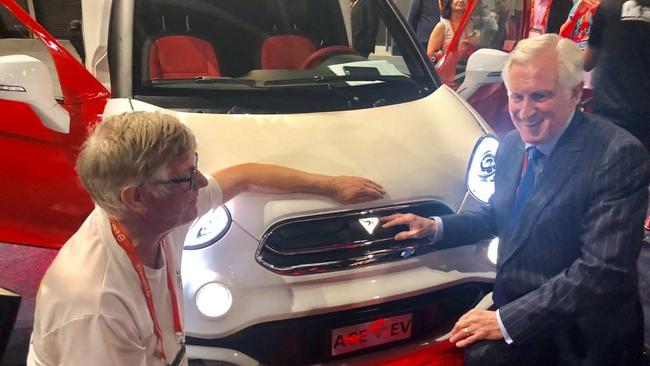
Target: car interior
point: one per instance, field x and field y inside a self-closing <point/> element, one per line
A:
<point x="230" y="38"/>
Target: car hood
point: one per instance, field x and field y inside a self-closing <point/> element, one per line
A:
<point x="416" y="150"/>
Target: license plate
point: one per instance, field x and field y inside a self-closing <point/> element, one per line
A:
<point x="373" y="333"/>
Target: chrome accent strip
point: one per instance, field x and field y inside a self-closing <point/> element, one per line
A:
<point x="12" y="88"/>
<point x="377" y="256"/>
<point x="329" y="248"/>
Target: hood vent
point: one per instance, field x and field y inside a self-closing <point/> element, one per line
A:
<point x="341" y="240"/>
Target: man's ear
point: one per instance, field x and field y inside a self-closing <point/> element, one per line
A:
<point x="133" y="199"/>
<point x="576" y="93"/>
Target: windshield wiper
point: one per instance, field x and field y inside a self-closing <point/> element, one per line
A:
<point x="329" y="80"/>
<point x="222" y="80"/>
<point x="206" y="80"/>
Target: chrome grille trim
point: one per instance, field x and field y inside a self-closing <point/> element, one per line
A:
<point x="311" y="245"/>
<point x="378" y="256"/>
<point x="357" y="244"/>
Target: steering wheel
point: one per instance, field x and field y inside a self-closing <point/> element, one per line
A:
<point x="326" y="52"/>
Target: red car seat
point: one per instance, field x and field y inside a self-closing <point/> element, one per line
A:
<point x="181" y="56"/>
<point x="287" y="51"/>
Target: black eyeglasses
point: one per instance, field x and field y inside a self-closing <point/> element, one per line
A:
<point x="189" y="179"/>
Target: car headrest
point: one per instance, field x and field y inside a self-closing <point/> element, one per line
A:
<point x="286" y="51"/>
<point x="182" y="56"/>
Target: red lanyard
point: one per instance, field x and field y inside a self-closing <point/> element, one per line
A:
<point x="125" y="243"/>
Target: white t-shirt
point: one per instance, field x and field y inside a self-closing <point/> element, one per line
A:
<point x="90" y="309"/>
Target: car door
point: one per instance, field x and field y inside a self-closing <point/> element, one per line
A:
<point x="41" y="199"/>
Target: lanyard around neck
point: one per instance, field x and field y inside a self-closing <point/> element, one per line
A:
<point x="126" y="244"/>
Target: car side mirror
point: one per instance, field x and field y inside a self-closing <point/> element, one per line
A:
<point x="27" y="80"/>
<point x="483" y="67"/>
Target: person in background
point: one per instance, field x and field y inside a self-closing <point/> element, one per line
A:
<point x="578" y="23"/>
<point x="3" y="28"/>
<point x="619" y="53"/>
<point x="568" y="207"/>
<point x="76" y="38"/>
<point x="504" y="12"/>
<point x="422" y="16"/>
<point x="443" y="32"/>
<point x="486" y="22"/>
<point x="113" y="295"/>
<point x="547" y="16"/>
<point x="365" y="25"/>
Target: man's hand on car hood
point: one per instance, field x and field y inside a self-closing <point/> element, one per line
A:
<point x="355" y="189"/>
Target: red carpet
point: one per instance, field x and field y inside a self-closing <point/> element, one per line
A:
<point x="21" y="270"/>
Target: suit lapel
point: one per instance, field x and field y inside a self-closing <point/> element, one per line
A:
<point x="509" y="167"/>
<point x="512" y="163"/>
<point x="513" y="174"/>
<point x="558" y="167"/>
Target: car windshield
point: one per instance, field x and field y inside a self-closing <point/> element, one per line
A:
<point x="274" y="56"/>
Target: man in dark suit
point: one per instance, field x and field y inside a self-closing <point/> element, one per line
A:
<point x="365" y="25"/>
<point x="569" y="202"/>
<point x="423" y="15"/>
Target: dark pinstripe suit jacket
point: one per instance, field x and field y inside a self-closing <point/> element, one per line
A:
<point x="571" y="260"/>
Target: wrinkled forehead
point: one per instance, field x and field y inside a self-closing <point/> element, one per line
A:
<point x="542" y="68"/>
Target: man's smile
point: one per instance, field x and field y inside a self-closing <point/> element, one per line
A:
<point x="529" y="123"/>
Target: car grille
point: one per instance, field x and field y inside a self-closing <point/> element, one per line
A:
<point x="307" y="340"/>
<point x="342" y="240"/>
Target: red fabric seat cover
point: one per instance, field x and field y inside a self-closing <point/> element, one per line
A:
<point x="177" y="57"/>
<point x="287" y="51"/>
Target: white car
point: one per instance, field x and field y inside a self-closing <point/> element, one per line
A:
<point x="269" y="279"/>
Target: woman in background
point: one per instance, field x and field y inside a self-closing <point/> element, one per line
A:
<point x="444" y="31"/>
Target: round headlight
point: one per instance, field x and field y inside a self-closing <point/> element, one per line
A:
<point x="481" y="169"/>
<point x="213" y="299"/>
<point x="208" y="229"/>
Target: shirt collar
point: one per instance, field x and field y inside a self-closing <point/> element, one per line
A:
<point x="548" y="147"/>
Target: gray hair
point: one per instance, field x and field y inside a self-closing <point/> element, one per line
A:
<point x="128" y="150"/>
<point x="569" y="56"/>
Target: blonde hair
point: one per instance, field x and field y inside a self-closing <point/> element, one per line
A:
<point x="128" y="150"/>
<point x="569" y="57"/>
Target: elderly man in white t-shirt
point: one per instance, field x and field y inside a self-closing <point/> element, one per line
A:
<point x="113" y="294"/>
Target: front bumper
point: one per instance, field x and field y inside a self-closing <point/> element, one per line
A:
<point x="307" y="340"/>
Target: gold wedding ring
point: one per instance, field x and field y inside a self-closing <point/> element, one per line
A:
<point x="466" y="330"/>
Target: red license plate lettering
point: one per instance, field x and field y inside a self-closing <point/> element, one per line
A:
<point x="373" y="333"/>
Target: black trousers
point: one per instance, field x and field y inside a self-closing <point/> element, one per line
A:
<point x="621" y="345"/>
